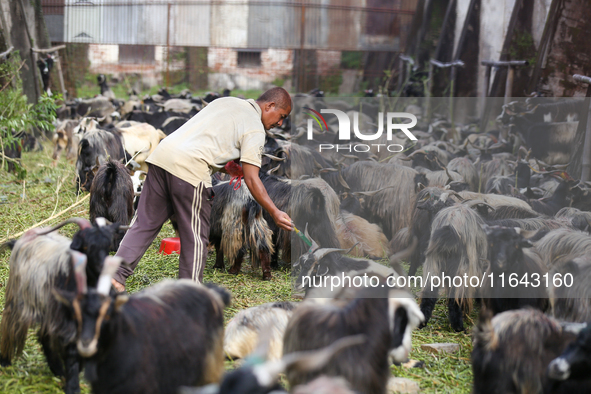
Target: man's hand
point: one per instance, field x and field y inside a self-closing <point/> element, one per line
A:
<point x="282" y="220"/>
<point x="258" y="191"/>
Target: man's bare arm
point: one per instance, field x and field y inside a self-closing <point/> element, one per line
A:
<point x="258" y="191"/>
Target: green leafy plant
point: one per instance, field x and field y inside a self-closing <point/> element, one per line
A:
<point x="17" y="115"/>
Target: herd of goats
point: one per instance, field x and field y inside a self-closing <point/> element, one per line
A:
<point x="454" y="202"/>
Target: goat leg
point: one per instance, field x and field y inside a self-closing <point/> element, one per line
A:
<point x="219" y="256"/>
<point x="53" y="360"/>
<point x="456" y="319"/>
<point x="235" y="269"/>
<point x="72" y="370"/>
<point x="428" y="301"/>
<point x="275" y="257"/>
<point x="266" y="265"/>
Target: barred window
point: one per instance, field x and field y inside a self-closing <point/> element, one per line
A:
<point x="249" y="58"/>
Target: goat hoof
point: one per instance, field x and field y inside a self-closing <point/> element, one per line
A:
<point x="219" y="267"/>
<point x="5" y="362"/>
<point x="266" y="276"/>
<point x="233" y="271"/>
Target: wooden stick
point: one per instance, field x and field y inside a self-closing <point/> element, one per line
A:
<point x="47" y="220"/>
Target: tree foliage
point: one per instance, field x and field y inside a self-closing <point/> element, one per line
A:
<point x="17" y="115"/>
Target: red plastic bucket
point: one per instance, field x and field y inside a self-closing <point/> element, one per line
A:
<point x="170" y="245"/>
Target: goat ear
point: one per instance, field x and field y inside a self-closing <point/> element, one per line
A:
<point x="120" y="300"/>
<point x="65" y="297"/>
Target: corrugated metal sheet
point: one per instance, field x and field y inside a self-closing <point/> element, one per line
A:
<point x="326" y="24"/>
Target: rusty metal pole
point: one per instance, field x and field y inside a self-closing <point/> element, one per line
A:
<point x="586" y="170"/>
<point x="168" y="47"/>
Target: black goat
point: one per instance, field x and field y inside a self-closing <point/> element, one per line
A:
<point x="111" y="196"/>
<point x="39" y="264"/>
<point x="509" y="257"/>
<point x="164" y="337"/>
<point x="569" y="373"/>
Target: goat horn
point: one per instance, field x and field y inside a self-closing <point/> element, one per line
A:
<point x="79" y="265"/>
<point x="110" y="266"/>
<point x="82" y="223"/>
<point x="124" y="228"/>
<point x="373" y="192"/>
<point x="272" y="170"/>
<point x="471" y="203"/>
<point x="342" y="181"/>
<point x="320" y="253"/>
<point x="300" y="133"/>
<point x="274" y="157"/>
<point x="306" y="361"/>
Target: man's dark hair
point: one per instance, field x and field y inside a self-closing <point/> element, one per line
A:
<point x="276" y="95"/>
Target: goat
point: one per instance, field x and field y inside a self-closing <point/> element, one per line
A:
<point x="105" y="89"/>
<point x="390" y="206"/>
<point x="457" y="246"/>
<point x="570" y="297"/>
<point x="111" y="196"/>
<point x="580" y="220"/>
<point x="40" y="263"/>
<point x="147" y="326"/>
<point x="245" y="330"/>
<point x="254" y="377"/>
<point x="139" y="141"/>
<point x="320" y="264"/>
<point x="561" y="245"/>
<point x="93" y="149"/>
<point x="569" y="372"/>
<point x="362" y="237"/>
<point x="65" y="139"/>
<point x="386" y="321"/>
<point x="509" y="255"/>
<point x="465" y="167"/>
<point x="238" y="224"/>
<point x="512" y="351"/>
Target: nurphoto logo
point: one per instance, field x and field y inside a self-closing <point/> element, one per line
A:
<point x="344" y="133"/>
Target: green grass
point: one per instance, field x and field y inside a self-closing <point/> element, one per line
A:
<point x="49" y="190"/>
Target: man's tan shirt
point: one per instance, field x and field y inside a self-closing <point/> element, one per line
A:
<point x="226" y="129"/>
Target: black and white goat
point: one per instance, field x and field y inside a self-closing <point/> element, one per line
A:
<point x="131" y="343"/>
<point x="569" y="373"/>
<point x="40" y="263"/>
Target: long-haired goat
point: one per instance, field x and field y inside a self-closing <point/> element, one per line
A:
<point x="111" y="196"/>
<point x="237" y="225"/>
<point x="458" y="246"/>
<point x="386" y="321"/>
<point x="40" y="263"/>
<point x="512" y="351"/>
<point x="155" y="341"/>
<point x="246" y="329"/>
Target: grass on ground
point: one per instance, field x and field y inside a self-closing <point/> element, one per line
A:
<point x="49" y="189"/>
